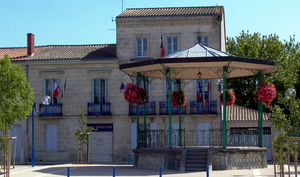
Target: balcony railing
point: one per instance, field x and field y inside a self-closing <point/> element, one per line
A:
<point x="164" y="109"/>
<point x="150" y="109"/>
<point x="209" y="107"/>
<point x="98" y="109"/>
<point x="52" y="110"/>
<point x="160" y="138"/>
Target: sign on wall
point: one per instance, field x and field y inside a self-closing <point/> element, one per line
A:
<point x="101" y="127"/>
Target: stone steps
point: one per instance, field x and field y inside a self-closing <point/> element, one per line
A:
<point x="196" y="160"/>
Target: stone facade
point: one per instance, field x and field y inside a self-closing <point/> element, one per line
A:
<point x="79" y="74"/>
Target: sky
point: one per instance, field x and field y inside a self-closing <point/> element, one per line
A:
<point x="76" y="22"/>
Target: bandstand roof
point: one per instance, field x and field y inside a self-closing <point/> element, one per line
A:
<point x="186" y="64"/>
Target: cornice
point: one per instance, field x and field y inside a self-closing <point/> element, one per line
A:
<point x="166" y="21"/>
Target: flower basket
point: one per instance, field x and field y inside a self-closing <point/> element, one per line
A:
<point x="134" y="94"/>
<point x="178" y="98"/>
<point x="229" y="97"/>
<point x="266" y="93"/>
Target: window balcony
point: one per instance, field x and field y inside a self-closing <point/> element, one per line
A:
<point x="98" y="109"/>
<point x="208" y="107"/>
<point x="150" y="109"/>
<point x="164" y="109"/>
<point x="52" y="110"/>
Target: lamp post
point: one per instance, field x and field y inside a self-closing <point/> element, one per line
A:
<point x="46" y="100"/>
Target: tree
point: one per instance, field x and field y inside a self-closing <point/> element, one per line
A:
<point x="266" y="48"/>
<point x="81" y="134"/>
<point x="16" y="98"/>
<point x="285" y="114"/>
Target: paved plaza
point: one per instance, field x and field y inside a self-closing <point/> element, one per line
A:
<point x="106" y="170"/>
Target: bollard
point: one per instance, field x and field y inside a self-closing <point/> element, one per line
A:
<point x="68" y="172"/>
<point x="207" y="171"/>
<point x="160" y="171"/>
<point x="114" y="171"/>
<point x="129" y="159"/>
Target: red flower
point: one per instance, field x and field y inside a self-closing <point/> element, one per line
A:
<point x="134" y="94"/>
<point x="266" y="93"/>
<point x="178" y="98"/>
<point x="229" y="97"/>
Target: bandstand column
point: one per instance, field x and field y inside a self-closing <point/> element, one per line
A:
<point x="170" y="108"/>
<point x="224" y="111"/>
<point x="137" y="115"/>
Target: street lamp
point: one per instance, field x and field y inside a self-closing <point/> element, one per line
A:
<point x="46" y="100"/>
<point x="290" y="93"/>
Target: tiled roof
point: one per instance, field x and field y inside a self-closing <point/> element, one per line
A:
<point x="171" y="11"/>
<point x="239" y="113"/>
<point x="62" y="52"/>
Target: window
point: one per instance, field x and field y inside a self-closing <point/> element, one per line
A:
<point x="174" y="87"/>
<point x="99" y="90"/>
<point x="142" y="47"/>
<point x="51" y="137"/>
<point x="49" y="88"/>
<point x="147" y="83"/>
<point x="203" y="90"/>
<point x="172" y="43"/>
<point x="203" y="40"/>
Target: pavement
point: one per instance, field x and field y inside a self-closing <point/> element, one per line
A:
<point x="106" y="170"/>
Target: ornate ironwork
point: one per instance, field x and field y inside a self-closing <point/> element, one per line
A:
<point x="203" y="108"/>
<point x="96" y="109"/>
<point x="211" y="138"/>
<point x="52" y="109"/>
<point x="150" y="109"/>
<point x="164" y="109"/>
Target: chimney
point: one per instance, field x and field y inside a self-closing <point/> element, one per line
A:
<point x="30" y="44"/>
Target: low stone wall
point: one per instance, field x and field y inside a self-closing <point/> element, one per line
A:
<point x="154" y="158"/>
<point x="239" y="158"/>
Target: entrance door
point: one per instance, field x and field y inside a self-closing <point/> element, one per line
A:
<point x="203" y="134"/>
<point x="16" y="132"/>
<point x="101" y="147"/>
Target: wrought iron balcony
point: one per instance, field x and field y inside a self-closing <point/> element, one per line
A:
<point x="98" y="109"/>
<point x="150" y="109"/>
<point x="209" y="107"/>
<point x="164" y="109"/>
<point x="52" y="110"/>
<point x="211" y="138"/>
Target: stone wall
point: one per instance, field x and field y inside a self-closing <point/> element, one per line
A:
<point x="235" y="159"/>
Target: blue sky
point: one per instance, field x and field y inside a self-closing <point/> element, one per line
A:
<point x="72" y="22"/>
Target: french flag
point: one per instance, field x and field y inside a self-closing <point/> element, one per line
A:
<point x="55" y="90"/>
<point x="162" y="50"/>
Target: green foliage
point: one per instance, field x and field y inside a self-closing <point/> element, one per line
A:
<point x="83" y="130"/>
<point x="16" y="99"/>
<point x="16" y="96"/>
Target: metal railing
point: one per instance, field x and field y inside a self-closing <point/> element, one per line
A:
<point x="203" y="107"/>
<point x="150" y="109"/>
<point x="164" y="109"/>
<point x="96" y="109"/>
<point x="211" y="138"/>
<point x="52" y="109"/>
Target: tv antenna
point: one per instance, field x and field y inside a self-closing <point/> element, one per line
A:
<point x="112" y="18"/>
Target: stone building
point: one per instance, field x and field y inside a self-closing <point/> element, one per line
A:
<point x="92" y="78"/>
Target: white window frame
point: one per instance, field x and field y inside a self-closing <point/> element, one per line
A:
<point x="51" y="137"/>
<point x="174" y="87"/>
<point x="103" y="90"/>
<point x="143" y="46"/>
<point x="203" y="40"/>
<point x="205" y="95"/>
<point x="50" y="89"/>
<point x="172" y="45"/>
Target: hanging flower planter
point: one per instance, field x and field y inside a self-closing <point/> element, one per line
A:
<point x="229" y="97"/>
<point x="134" y="94"/>
<point x="266" y="93"/>
<point x="178" y="98"/>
